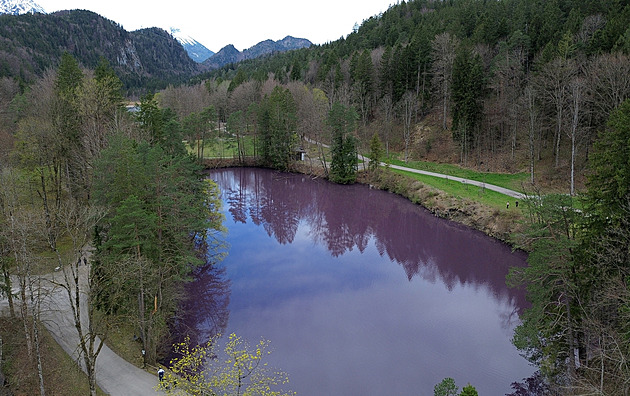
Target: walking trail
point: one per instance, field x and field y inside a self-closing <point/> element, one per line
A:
<point x="502" y="190"/>
<point x="114" y="375"/>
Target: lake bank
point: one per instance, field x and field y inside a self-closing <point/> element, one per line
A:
<point x="497" y="223"/>
<point x="336" y="275"/>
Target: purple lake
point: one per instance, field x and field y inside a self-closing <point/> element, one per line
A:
<point x="360" y="291"/>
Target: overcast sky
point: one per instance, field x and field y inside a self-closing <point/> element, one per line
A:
<point x="243" y="23"/>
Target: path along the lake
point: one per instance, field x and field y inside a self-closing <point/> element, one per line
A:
<point x="114" y="375"/>
<point x="502" y="190"/>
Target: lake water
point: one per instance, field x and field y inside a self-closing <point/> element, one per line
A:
<point x="359" y="291"/>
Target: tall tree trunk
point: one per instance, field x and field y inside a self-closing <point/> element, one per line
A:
<point x="8" y="284"/>
<point x="557" y="137"/>
<point x="532" y="116"/>
<point x="35" y="304"/>
<point x="24" y="279"/>
<point x="445" y="100"/>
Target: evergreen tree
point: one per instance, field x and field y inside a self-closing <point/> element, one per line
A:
<point x="67" y="124"/>
<point x="469" y="390"/>
<point x="376" y="152"/>
<point x="237" y="80"/>
<point x="363" y="80"/>
<point x="609" y="181"/>
<point x="467" y="94"/>
<point x="277" y="124"/>
<point x="445" y="388"/>
<point x="344" y="163"/>
<point x="163" y="214"/>
<point x="384" y="73"/>
<point x="547" y="335"/>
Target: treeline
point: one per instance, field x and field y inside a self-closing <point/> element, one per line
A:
<point x="87" y="182"/>
<point x="515" y="81"/>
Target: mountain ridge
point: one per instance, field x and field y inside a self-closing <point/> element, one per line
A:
<point x="32" y="41"/>
<point x="229" y="54"/>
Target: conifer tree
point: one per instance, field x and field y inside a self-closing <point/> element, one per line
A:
<point x="467" y="88"/>
<point x="277" y="123"/>
<point x="342" y="121"/>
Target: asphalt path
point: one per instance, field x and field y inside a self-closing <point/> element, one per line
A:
<point x="114" y="375"/>
<point x="502" y="190"/>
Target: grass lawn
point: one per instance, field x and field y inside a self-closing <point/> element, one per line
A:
<point x="223" y="147"/>
<point x="512" y="181"/>
<point x="460" y="190"/>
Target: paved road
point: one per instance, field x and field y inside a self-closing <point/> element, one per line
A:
<point x="114" y="375"/>
<point x="502" y="190"/>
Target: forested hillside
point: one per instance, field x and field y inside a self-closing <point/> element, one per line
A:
<point x="33" y="43"/>
<point x="514" y="81"/>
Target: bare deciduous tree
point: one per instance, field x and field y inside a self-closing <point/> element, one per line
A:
<point x="608" y="82"/>
<point x="553" y="85"/>
<point x="443" y="46"/>
<point x="577" y="98"/>
<point x="20" y="237"/>
<point x="185" y="99"/>
<point x="532" y="127"/>
<point x="80" y="285"/>
<point x="407" y="108"/>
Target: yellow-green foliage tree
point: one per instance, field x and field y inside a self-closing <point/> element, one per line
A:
<point x="239" y="370"/>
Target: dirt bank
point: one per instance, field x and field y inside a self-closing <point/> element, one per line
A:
<point x="496" y="223"/>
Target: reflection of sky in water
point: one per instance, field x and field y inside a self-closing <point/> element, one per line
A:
<point x="354" y="324"/>
<point x="258" y="265"/>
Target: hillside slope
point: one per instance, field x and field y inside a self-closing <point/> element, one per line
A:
<point x="32" y="43"/>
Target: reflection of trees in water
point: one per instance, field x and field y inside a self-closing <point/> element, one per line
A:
<point x="204" y="311"/>
<point x="535" y="385"/>
<point x="346" y="217"/>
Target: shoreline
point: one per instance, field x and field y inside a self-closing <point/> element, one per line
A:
<point x="496" y="223"/>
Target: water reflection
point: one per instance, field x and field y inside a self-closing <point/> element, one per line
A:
<point x="407" y="234"/>
<point x="203" y="313"/>
<point x="362" y="292"/>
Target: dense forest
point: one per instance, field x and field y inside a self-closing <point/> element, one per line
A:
<point x="87" y="180"/>
<point x="508" y="85"/>
<point x="514" y="82"/>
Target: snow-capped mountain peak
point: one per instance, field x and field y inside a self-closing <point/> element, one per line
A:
<point x="182" y="37"/>
<point x="17" y="7"/>
<point x="195" y="50"/>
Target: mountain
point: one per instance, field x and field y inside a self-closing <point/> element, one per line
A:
<point x="229" y="54"/>
<point x="32" y="43"/>
<point x="197" y="51"/>
<point x="18" y="7"/>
